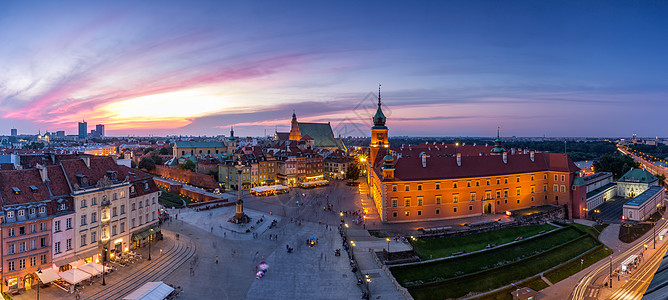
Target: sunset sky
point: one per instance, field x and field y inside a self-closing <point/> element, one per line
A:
<point x="447" y="68"/>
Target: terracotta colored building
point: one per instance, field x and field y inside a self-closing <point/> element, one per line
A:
<point x="439" y="181"/>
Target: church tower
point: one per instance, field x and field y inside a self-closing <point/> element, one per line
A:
<point x="231" y="142"/>
<point x="295" y="135"/>
<point x="379" y="139"/>
<point x="498" y="149"/>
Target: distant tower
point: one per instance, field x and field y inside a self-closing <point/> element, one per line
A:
<point x="497" y="150"/>
<point x="295" y="135"/>
<point x="99" y="130"/>
<point x="635" y="138"/>
<point x="14" y="132"/>
<point x="232" y="141"/>
<point x="83" y="129"/>
<point x="379" y="138"/>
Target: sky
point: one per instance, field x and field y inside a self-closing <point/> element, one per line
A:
<point x="447" y="68"/>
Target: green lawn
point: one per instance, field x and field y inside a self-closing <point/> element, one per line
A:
<point x="587" y="229"/>
<point x="573" y="267"/>
<point x="504" y="275"/>
<point x="535" y="283"/>
<point x="169" y="199"/>
<point x="443" y="247"/>
<point x="419" y="274"/>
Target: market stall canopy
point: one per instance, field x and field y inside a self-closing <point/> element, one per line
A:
<point x="89" y="269"/>
<point x="150" y="291"/>
<point x="47" y="275"/>
<point x="74" y="276"/>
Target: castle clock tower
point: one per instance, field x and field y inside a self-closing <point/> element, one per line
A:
<point x="379" y="139"/>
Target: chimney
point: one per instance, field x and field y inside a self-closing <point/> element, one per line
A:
<point x="505" y="157"/>
<point x="531" y="155"/>
<point x="459" y="159"/>
<point x="525" y="150"/>
<point x="42" y="173"/>
<point x="86" y="160"/>
<point x="512" y="151"/>
<point x="424" y="160"/>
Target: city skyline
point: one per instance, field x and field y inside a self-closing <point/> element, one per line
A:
<point x="447" y="69"/>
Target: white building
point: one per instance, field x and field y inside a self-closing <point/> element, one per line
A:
<point x="644" y="205"/>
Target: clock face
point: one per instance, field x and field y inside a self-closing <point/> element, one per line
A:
<point x="380" y="136"/>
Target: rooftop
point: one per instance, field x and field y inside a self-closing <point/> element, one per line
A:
<point x="646" y="195"/>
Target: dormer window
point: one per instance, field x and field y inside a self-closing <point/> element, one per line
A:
<point x="132" y="189"/>
<point x="83" y="179"/>
<point x="42" y="209"/>
<point x="22" y="212"/>
<point x="33" y="188"/>
<point x="146" y="186"/>
<point x="62" y="206"/>
<point x="32" y="211"/>
<point x="10" y="214"/>
<point x="112" y="174"/>
<point x="16" y="190"/>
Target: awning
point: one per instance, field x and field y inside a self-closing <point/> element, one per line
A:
<point x="150" y="291"/>
<point x="47" y="275"/>
<point x="67" y="260"/>
<point x="142" y="234"/>
<point x="74" y="276"/>
<point x="89" y="269"/>
<point x="88" y="253"/>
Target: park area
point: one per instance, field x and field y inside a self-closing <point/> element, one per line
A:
<point x="171" y="200"/>
<point x="542" y="247"/>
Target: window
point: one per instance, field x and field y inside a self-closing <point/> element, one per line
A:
<point x="505" y="180"/>
<point x="22" y="247"/>
<point x="518" y="201"/>
<point x="42" y="226"/>
<point x="69" y="244"/>
<point x="533" y="189"/>
<point x="153" y="200"/>
<point x="122" y="194"/>
<point x="477" y="183"/>
<point x="545" y="188"/>
<point x="438" y="199"/>
<point x="532" y="178"/>
<point x="419" y="212"/>
<point x="394" y="188"/>
<point x="563" y="188"/>
<point x="146" y="186"/>
<point x="132" y="189"/>
<point x="42" y="209"/>
<point x="563" y="178"/>
<point x="147" y="218"/>
<point x="505" y="201"/>
<point x="455" y="198"/>
<point x="22" y="212"/>
<point x="83" y="220"/>
<point x="407" y="202"/>
<point x="11" y="249"/>
<point x="62" y="206"/>
<point x="470" y="207"/>
<point x="10" y="266"/>
<point x="468" y="184"/>
<point x="68" y="223"/>
<point x="505" y="193"/>
<point x="407" y="188"/>
<point x="56" y="247"/>
<point x="394" y="202"/>
<point x="141" y="204"/>
<point x="472" y="196"/>
<point x="42" y="259"/>
<point x="83" y="240"/>
<point x="83" y="203"/>
<point x="146" y="202"/>
<point x="134" y="207"/>
<point x="33" y="261"/>
<point x="140" y="220"/>
<point x="518" y="191"/>
<point x="93" y="237"/>
<point x="498" y="202"/>
<point x="438" y="186"/>
<point x="438" y="211"/>
<point x="531" y="198"/>
<point x="498" y="181"/>
<point x="113" y="230"/>
<point x="56" y="226"/>
<point x="22" y="230"/>
<point x="33" y="228"/>
<point x="394" y="214"/>
<point x="32" y="211"/>
<point x="93" y="201"/>
<point x="407" y="213"/>
<point x="93" y="217"/>
<point x="555" y="187"/>
<point x="545" y="176"/>
<point x="498" y="194"/>
<point x="419" y="187"/>
<point x="454" y="209"/>
<point x="488" y="195"/>
<point x="555" y="177"/>
<point x="22" y="264"/>
<point x="454" y="185"/>
<point x="113" y="212"/>
<point x="487" y="181"/>
<point x="114" y="196"/>
<point x="123" y="209"/>
<point x="518" y="179"/>
<point x="133" y="222"/>
<point x="122" y="227"/>
<point x="419" y="201"/>
<point x="42" y="242"/>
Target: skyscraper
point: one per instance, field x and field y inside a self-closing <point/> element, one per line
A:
<point x="99" y="130"/>
<point x="14" y="132"/>
<point x="83" y="129"/>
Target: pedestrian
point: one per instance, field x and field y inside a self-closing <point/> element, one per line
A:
<point x="161" y="252"/>
<point x="216" y="259"/>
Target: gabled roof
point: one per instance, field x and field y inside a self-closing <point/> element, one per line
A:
<point x="99" y="165"/>
<point x="638" y="175"/>
<point x="322" y="134"/>
<point x="15" y="187"/>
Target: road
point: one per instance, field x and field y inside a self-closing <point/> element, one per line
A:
<point x="590" y="283"/>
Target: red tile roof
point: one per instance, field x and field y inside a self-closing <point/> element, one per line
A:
<point x="57" y="181"/>
<point x="22" y="180"/>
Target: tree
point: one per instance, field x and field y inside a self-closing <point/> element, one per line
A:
<point x="149" y="149"/>
<point x="662" y="179"/>
<point x="34" y="145"/>
<point x="147" y="163"/>
<point x="353" y="172"/>
<point x="156" y="158"/>
<point x="617" y="164"/>
<point x="166" y="150"/>
<point x="133" y="164"/>
<point x="188" y="165"/>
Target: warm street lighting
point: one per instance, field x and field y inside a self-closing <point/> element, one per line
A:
<point x="149" y="244"/>
<point x="388" y="244"/>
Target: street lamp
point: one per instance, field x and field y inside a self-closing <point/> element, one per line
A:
<point x="611" y="271"/>
<point x="39" y="272"/>
<point x="388" y="244"/>
<point x="104" y="259"/>
<point x="149" y="244"/>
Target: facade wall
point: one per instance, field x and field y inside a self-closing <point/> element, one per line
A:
<point x="23" y="254"/>
<point x="601" y="197"/>
<point x="199" y="151"/>
<point x="143" y="214"/>
<point x="62" y="235"/>
<point x="440" y="199"/>
<point x="645" y="210"/>
<point x="631" y="189"/>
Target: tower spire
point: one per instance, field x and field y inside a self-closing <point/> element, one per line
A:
<point x="379" y="94"/>
<point x="498" y="129"/>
